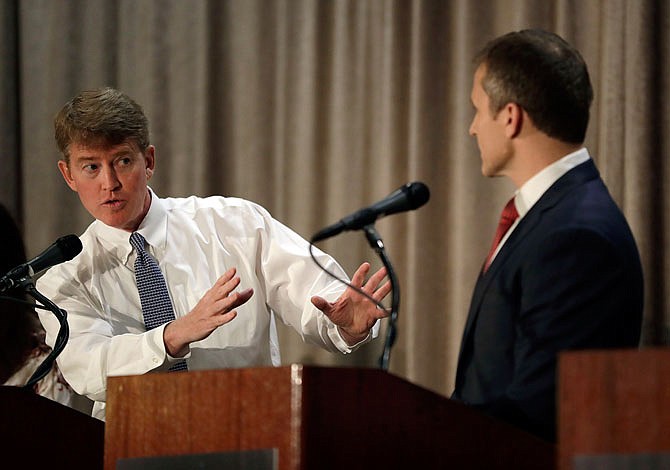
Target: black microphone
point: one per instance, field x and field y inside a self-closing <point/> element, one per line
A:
<point x="408" y="197"/>
<point x="63" y="249"/>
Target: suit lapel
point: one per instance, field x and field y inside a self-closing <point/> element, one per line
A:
<point x="573" y="178"/>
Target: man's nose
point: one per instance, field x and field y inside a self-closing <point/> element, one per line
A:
<point x="110" y="179"/>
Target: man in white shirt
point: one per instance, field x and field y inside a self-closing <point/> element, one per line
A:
<point x="567" y="273"/>
<point x="230" y="268"/>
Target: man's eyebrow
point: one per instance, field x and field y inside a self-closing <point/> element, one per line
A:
<point x="123" y="152"/>
<point x="87" y="158"/>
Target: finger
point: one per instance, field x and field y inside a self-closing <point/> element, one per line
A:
<point x="225" y="277"/>
<point x="234" y="300"/>
<point x="227" y="313"/>
<point x="359" y="276"/>
<point x="375" y="280"/>
<point x="382" y="292"/>
<point x="221" y="287"/>
<point x="225" y="318"/>
<point x="321" y="303"/>
<point x="225" y="289"/>
<point x="382" y="313"/>
<point x="240" y="298"/>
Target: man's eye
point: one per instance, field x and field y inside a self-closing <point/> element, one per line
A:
<point x="90" y="167"/>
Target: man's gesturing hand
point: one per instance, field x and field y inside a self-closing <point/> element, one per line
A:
<point x="352" y="312"/>
<point x="216" y="308"/>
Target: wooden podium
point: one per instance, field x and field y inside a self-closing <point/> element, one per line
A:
<point x="614" y="409"/>
<point x="309" y="418"/>
<point x="36" y="432"/>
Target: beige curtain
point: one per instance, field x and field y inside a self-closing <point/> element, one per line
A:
<point x="315" y="108"/>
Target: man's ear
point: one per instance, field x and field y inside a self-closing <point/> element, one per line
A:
<point x="515" y="117"/>
<point x="67" y="175"/>
<point x="150" y="160"/>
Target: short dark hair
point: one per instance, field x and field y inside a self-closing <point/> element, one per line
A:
<point x="101" y="117"/>
<point x="543" y="74"/>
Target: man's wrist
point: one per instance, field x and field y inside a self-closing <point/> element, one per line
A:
<point x="352" y="340"/>
<point x="173" y="346"/>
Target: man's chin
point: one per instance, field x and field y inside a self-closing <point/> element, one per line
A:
<point x="490" y="172"/>
<point x="487" y="172"/>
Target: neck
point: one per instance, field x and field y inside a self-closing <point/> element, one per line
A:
<point x="536" y="157"/>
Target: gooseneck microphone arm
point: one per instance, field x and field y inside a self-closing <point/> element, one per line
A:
<point x="61" y="339"/>
<point x="377" y="245"/>
<point x="63" y="249"/>
<point x="63" y="333"/>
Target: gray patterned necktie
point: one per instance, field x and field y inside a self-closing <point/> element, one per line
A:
<point x="154" y="297"/>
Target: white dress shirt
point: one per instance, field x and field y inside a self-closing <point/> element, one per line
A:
<point x="533" y="189"/>
<point x="195" y="241"/>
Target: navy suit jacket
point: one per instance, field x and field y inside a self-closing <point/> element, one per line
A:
<point x="568" y="277"/>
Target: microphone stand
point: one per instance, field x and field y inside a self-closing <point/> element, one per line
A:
<point x="61" y="339"/>
<point x="377" y="245"/>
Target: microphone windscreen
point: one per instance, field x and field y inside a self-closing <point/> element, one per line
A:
<point x="70" y="246"/>
<point x="418" y="194"/>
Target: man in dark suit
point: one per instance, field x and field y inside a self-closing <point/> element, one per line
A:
<point x="566" y="274"/>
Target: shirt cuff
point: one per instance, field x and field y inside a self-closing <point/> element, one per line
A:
<point x="160" y="356"/>
<point x="339" y="342"/>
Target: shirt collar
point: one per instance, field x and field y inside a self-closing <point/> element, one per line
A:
<point x="153" y="228"/>
<point x="533" y="189"/>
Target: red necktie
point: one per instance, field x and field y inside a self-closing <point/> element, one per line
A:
<point x="507" y="218"/>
